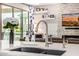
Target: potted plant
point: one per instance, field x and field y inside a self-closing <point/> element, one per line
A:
<point x="10" y="23"/>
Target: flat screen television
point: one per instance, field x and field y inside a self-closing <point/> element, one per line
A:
<point x="70" y="21"/>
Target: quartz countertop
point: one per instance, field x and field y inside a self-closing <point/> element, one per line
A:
<point x="7" y="52"/>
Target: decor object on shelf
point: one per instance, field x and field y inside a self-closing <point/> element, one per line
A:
<point x="48" y="16"/>
<point x="11" y="23"/>
<point x="51" y="16"/>
<point x="41" y="9"/>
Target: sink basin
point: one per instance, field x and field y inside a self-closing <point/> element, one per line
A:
<point x="39" y="50"/>
<point x="28" y="49"/>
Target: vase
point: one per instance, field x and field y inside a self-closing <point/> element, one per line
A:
<point x="11" y="37"/>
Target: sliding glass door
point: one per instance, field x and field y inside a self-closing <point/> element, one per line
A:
<point x="17" y="15"/>
<point x="25" y="23"/>
<point x="21" y="15"/>
<point x="6" y="12"/>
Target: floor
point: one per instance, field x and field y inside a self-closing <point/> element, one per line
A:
<point x="71" y="49"/>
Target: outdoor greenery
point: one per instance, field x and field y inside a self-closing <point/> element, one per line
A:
<point x="9" y="25"/>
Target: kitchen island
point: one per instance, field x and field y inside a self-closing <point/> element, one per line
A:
<point x="5" y="51"/>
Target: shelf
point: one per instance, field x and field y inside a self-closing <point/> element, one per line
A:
<point x="72" y="28"/>
<point x="49" y="18"/>
<point x="42" y="12"/>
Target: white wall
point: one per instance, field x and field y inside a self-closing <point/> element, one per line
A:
<point x="52" y="23"/>
<point x="55" y="27"/>
<point x="56" y="10"/>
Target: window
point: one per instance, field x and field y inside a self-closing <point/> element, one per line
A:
<point x="25" y="22"/>
<point x="17" y="15"/>
<point x="6" y="12"/>
<point x="22" y="17"/>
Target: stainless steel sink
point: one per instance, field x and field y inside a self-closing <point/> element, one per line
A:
<point x="39" y="50"/>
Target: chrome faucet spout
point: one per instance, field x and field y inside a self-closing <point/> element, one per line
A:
<point x="46" y="40"/>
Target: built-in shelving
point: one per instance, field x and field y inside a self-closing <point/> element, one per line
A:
<point x="40" y="12"/>
<point x="72" y="28"/>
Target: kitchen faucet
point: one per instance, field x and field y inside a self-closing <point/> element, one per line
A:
<point x="46" y="40"/>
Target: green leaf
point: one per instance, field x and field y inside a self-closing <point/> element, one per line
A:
<point x="9" y="25"/>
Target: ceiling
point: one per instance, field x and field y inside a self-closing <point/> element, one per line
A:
<point x="45" y="2"/>
<point x="17" y="5"/>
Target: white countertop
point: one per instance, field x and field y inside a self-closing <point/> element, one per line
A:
<point x="71" y="49"/>
<point x="27" y="44"/>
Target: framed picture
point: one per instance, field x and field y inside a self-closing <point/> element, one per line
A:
<point x="70" y="20"/>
